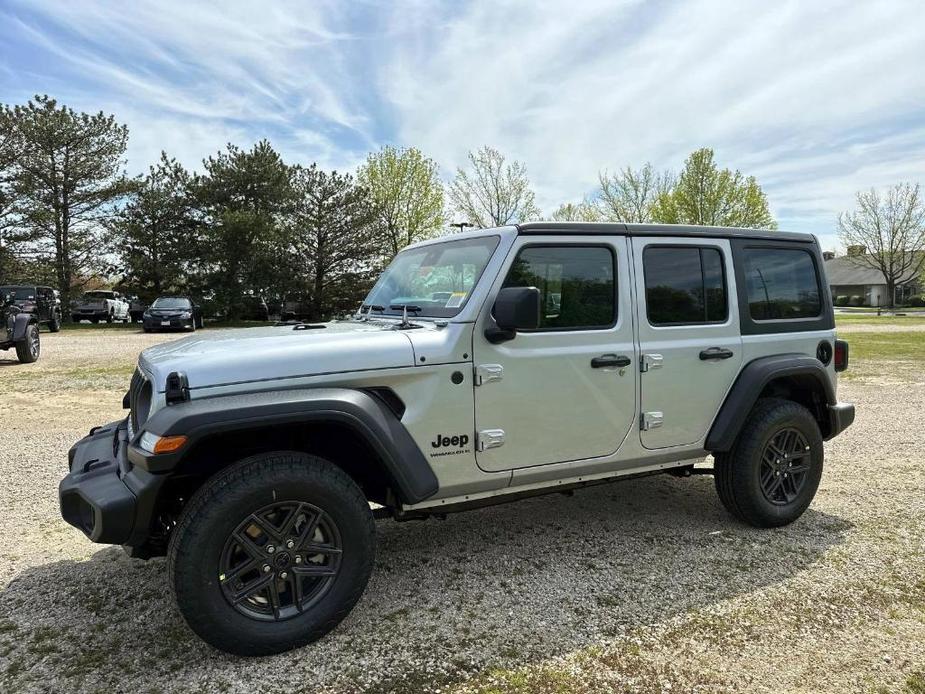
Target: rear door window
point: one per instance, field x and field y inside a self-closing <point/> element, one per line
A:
<point x="781" y="284"/>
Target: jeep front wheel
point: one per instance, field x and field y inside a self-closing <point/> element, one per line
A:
<point x="272" y="553"/>
<point x="773" y="471"/>
<point x="29" y="348"/>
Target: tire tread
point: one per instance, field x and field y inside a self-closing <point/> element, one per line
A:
<point x="203" y="504"/>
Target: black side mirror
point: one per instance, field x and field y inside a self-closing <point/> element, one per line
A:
<point x="516" y="308"/>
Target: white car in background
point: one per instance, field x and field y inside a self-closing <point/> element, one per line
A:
<point x="100" y="305"/>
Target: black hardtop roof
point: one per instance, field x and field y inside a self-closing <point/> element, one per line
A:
<point x="628" y="229"/>
<point x="21" y="285"/>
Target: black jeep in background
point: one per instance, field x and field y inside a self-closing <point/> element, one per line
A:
<point x="19" y="329"/>
<point x="41" y="302"/>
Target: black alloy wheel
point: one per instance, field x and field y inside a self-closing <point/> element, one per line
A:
<point x="280" y="561"/>
<point x="784" y="467"/>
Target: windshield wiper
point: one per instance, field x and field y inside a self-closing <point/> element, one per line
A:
<point x="404" y="308"/>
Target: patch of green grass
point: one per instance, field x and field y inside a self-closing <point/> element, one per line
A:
<point x="910" y="317"/>
<point x="101" y="326"/>
<point x="915" y="684"/>
<point x="906" y="346"/>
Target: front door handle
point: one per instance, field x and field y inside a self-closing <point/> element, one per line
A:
<point x="715" y="353"/>
<point x="610" y="360"/>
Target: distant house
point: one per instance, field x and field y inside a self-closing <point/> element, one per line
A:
<point x="856" y="283"/>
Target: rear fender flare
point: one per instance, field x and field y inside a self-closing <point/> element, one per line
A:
<point x="752" y="381"/>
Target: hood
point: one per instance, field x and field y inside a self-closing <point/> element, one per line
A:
<point x="223" y="357"/>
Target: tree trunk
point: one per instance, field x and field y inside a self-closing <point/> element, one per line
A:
<point x="318" y="296"/>
<point x="890" y="293"/>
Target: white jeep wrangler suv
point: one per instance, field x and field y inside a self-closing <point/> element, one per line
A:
<point x="482" y="367"/>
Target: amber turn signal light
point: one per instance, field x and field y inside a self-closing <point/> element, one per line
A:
<point x="169" y="444"/>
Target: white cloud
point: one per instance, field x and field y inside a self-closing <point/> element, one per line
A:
<point x="818" y="100"/>
<point x="573" y="88"/>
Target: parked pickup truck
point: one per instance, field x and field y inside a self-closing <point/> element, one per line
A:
<point x="100" y="305"/>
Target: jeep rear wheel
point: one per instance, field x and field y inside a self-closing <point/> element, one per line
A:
<point x="54" y="325"/>
<point x="272" y="553"/>
<point x="773" y="471"/>
<point x="29" y="348"/>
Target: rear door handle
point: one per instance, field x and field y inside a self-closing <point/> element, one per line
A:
<point x="610" y="360"/>
<point x="715" y="353"/>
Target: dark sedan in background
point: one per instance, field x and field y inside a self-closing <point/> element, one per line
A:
<point x="172" y="313"/>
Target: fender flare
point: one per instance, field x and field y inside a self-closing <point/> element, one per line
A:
<point x="752" y="381"/>
<point x="365" y="414"/>
<point x="20" y="322"/>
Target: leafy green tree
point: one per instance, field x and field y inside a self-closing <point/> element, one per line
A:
<point x="156" y="233"/>
<point x="630" y="195"/>
<point x="243" y="199"/>
<point x="9" y="152"/>
<point x="584" y="211"/>
<point x="493" y="192"/>
<point x="891" y="230"/>
<point x="334" y="239"/>
<point x="706" y="195"/>
<point x="406" y="193"/>
<point x="68" y="179"/>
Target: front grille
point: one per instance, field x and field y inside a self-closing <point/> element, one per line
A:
<point x="139" y="398"/>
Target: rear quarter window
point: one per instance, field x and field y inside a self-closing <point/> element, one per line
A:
<point x="781" y="284"/>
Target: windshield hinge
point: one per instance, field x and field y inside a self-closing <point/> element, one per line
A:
<point x="484" y="373"/>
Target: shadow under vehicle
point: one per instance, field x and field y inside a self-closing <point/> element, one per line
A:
<point x="19" y="330"/>
<point x="41" y="302"/>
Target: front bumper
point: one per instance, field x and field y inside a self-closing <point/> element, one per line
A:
<point x="106" y="497"/>
<point x="86" y="314"/>
<point x="841" y="416"/>
<point x="173" y="323"/>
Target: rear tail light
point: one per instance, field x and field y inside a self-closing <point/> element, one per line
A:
<point x="841" y="355"/>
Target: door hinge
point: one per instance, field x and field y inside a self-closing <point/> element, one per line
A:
<point x="651" y="420"/>
<point x="488" y="372"/>
<point x="490" y="438"/>
<point x="650" y="362"/>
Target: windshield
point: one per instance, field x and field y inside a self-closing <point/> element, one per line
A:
<point x="19" y="293"/>
<point x="436" y="278"/>
<point x="98" y="295"/>
<point x="170" y="302"/>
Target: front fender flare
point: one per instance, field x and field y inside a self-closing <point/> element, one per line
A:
<point x="20" y="323"/>
<point x="752" y="381"/>
<point x="368" y="416"/>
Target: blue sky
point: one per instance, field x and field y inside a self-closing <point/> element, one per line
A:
<point x="816" y="99"/>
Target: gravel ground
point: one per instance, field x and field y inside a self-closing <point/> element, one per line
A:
<point x="645" y="585"/>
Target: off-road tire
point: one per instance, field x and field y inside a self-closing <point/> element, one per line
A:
<point x="24" y="351"/>
<point x="54" y="325"/>
<point x="220" y="505"/>
<point x="110" y="318"/>
<point x="737" y="473"/>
